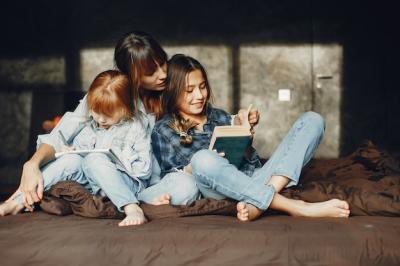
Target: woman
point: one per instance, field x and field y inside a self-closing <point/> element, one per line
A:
<point x="142" y="59"/>
<point x="181" y="138"/>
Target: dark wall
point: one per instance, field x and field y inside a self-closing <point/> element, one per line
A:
<point x="367" y="30"/>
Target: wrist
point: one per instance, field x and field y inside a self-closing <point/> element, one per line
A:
<point x="31" y="164"/>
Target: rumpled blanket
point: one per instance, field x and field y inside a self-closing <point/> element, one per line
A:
<point x="368" y="179"/>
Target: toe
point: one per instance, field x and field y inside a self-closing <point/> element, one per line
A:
<point x="240" y="206"/>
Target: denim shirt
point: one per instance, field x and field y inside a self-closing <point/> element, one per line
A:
<point x="173" y="156"/>
<point x="127" y="139"/>
<point x="131" y="138"/>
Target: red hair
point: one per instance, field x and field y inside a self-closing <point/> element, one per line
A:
<point x="109" y="94"/>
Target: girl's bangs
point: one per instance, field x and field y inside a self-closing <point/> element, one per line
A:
<point x="105" y="105"/>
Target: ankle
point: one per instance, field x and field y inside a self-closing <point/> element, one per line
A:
<point x="131" y="207"/>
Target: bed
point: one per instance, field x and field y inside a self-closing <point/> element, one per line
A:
<point x="207" y="233"/>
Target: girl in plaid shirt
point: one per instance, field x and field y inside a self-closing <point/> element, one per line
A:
<point x="181" y="138"/>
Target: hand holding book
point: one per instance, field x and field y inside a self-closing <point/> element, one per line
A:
<point x="233" y="140"/>
<point x="249" y="116"/>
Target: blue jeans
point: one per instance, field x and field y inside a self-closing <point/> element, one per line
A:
<point x="106" y="180"/>
<point x="217" y="178"/>
<point x="180" y="186"/>
<point x="67" y="167"/>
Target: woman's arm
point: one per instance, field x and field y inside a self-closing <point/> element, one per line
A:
<point x="31" y="184"/>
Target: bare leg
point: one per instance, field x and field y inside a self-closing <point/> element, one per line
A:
<point x="134" y="215"/>
<point x="248" y="212"/>
<point x="331" y="208"/>
<point x="10" y="207"/>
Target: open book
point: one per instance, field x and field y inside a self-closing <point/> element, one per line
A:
<point x="109" y="152"/>
<point x="232" y="140"/>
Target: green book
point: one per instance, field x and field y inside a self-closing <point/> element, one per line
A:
<point x="232" y="140"/>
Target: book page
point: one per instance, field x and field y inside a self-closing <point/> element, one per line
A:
<point x="109" y="152"/>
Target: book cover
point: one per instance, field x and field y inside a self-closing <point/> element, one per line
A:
<point x="232" y="140"/>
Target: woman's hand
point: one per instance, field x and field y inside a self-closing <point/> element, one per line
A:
<point x="31" y="185"/>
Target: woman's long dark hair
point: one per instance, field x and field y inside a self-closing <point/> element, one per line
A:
<point x="137" y="54"/>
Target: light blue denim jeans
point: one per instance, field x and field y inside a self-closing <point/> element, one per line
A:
<point x="180" y="186"/>
<point x="217" y="178"/>
<point x="67" y="167"/>
<point x="106" y="180"/>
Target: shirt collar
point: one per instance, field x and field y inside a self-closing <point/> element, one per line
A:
<point x="212" y="115"/>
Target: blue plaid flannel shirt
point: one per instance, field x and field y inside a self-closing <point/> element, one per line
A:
<point x="172" y="156"/>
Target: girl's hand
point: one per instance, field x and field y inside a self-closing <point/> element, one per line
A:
<point x="254" y="117"/>
<point x="222" y="154"/>
<point x="188" y="169"/>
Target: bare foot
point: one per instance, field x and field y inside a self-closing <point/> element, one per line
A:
<point x="247" y="212"/>
<point x="160" y="200"/>
<point x="10" y="207"/>
<point x="134" y="215"/>
<point x="330" y="208"/>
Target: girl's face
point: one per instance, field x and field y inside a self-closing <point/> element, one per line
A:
<point x="156" y="80"/>
<point x="105" y="121"/>
<point x="194" y="98"/>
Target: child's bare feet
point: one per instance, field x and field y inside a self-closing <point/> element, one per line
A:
<point x="330" y="208"/>
<point x="160" y="200"/>
<point x="247" y="212"/>
<point x="134" y="215"/>
<point x="10" y="207"/>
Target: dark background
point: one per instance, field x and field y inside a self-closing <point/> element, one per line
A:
<point x="367" y="30"/>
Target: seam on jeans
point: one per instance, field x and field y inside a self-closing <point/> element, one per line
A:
<point x="290" y="144"/>
<point x="251" y="201"/>
<point x="284" y="173"/>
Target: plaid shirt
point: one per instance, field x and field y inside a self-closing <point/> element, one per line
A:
<point x="173" y="156"/>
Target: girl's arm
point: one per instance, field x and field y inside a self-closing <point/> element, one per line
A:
<point x="31" y="184"/>
<point x="167" y="157"/>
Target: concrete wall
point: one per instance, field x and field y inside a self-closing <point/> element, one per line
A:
<point x="338" y="60"/>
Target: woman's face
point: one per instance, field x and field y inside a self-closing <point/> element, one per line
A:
<point x="156" y="80"/>
<point x="194" y="97"/>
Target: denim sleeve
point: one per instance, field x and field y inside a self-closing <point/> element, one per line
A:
<point x="137" y="151"/>
<point x="69" y="124"/>
<point x="167" y="157"/>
